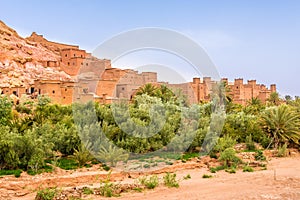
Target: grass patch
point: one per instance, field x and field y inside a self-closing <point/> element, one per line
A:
<point x="170" y="180"/>
<point x="213" y="155"/>
<point x="16" y="173"/>
<point x="169" y="163"/>
<point x="87" y="191"/>
<point x="249" y="150"/>
<point x="105" y="167"/>
<point x="138" y="189"/>
<point x="282" y="151"/>
<point x="150" y="183"/>
<point x="107" y="190"/>
<point x="188" y="176"/>
<point x="248" y="169"/>
<point x="146" y="166"/>
<point x="67" y="164"/>
<point x="95" y="162"/>
<point x="259" y="156"/>
<point x="231" y="170"/>
<point x="46" y="194"/>
<point x="216" y="169"/>
<point x="207" y="176"/>
<point x="46" y="168"/>
<point x="188" y="156"/>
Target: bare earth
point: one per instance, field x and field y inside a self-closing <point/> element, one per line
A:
<point x="280" y="181"/>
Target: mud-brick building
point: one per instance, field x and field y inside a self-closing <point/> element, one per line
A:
<point x="60" y="92"/>
<point x="15" y="90"/>
<point x="240" y="92"/>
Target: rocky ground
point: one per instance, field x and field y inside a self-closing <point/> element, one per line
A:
<point x="281" y="180"/>
<point x="21" y="60"/>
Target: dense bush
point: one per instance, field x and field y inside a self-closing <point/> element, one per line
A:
<point x="32" y="131"/>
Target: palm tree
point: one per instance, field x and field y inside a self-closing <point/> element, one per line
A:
<point x="254" y="102"/>
<point x="148" y="89"/>
<point x="254" y="106"/>
<point x="166" y="93"/>
<point x="274" y="99"/>
<point x="282" y="124"/>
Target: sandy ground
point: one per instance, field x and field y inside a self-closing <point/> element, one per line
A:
<point x="242" y="185"/>
<point x="280" y="181"/>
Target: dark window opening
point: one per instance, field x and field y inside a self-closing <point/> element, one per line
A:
<point x="81" y="63"/>
<point x="123" y="88"/>
<point x="53" y="91"/>
<point x="39" y="91"/>
<point x="74" y="55"/>
<point x="81" y="56"/>
<point x="15" y="93"/>
<point x="66" y="55"/>
<point x="31" y="90"/>
<point x="68" y="63"/>
<point x="73" y="63"/>
<point x="66" y="89"/>
<point x="87" y="64"/>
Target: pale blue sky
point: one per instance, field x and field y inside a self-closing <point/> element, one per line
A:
<point x="250" y="39"/>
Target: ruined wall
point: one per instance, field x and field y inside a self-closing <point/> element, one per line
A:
<point x="54" y="46"/>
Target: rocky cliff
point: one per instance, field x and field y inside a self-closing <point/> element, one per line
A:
<point x="21" y="60"/>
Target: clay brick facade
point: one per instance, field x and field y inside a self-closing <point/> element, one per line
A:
<point x="198" y="91"/>
<point x="95" y="79"/>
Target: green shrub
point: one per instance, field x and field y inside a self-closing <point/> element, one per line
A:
<point x="188" y="156"/>
<point x="229" y="158"/>
<point x="87" y="191"/>
<point x="282" y="151"/>
<point x="138" y="189"/>
<point x="67" y="164"/>
<point x="146" y="166"/>
<point x="105" y="167"/>
<point x="170" y="180"/>
<point x="231" y="170"/>
<point x="46" y="194"/>
<point x="46" y="168"/>
<point x="150" y="182"/>
<point x="260" y="156"/>
<point x="188" y="176"/>
<point x="107" y="190"/>
<point x="224" y="143"/>
<point x="215" y="169"/>
<point x="250" y="144"/>
<point x="207" y="176"/>
<point x="213" y="155"/>
<point x="248" y="169"/>
<point x="82" y="155"/>
<point x="169" y="163"/>
<point x="17" y="172"/>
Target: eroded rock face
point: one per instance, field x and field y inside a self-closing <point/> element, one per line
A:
<point x="22" y="61"/>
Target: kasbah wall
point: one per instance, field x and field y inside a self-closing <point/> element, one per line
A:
<point x="95" y="79"/>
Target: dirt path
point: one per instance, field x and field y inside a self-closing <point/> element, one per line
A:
<point x="257" y="185"/>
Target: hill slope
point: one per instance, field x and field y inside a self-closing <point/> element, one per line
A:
<point x="21" y="60"/>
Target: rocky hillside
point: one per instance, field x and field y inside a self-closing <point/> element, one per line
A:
<point x="21" y="60"/>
